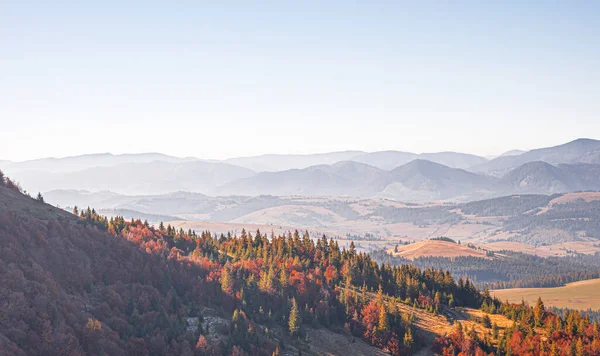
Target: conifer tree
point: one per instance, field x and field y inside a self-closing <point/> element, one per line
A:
<point x="383" y="318"/>
<point x="294" y="318"/>
<point x="226" y="279"/>
<point x="579" y="350"/>
<point x="408" y="339"/>
<point x="495" y="330"/>
<point x="486" y="321"/>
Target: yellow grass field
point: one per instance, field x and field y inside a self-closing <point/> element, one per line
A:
<point x="435" y="248"/>
<point x="578" y="295"/>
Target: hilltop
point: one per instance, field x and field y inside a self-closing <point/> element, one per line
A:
<point x="435" y="248"/>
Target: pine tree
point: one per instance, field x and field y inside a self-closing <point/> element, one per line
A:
<point x="573" y="349"/>
<point x="380" y="300"/>
<point x="451" y="301"/>
<point x="283" y="280"/>
<point x="486" y="321"/>
<point x="294" y="318"/>
<point x="495" y="331"/>
<point x="553" y="351"/>
<point x="39" y="197"/>
<point x="539" y="312"/>
<point x="579" y="350"/>
<point x="227" y="279"/>
<point x="408" y="339"/>
<point x="383" y="318"/>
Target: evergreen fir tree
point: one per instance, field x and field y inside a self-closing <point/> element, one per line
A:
<point x="294" y="319"/>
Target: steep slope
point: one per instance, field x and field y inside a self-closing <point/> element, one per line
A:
<point x="420" y="179"/>
<point x="138" y="178"/>
<point x="578" y="151"/>
<point x="343" y="178"/>
<point x="275" y="162"/>
<point x="70" y="289"/>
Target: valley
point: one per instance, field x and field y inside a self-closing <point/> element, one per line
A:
<point x="555" y="225"/>
<point x="379" y="259"/>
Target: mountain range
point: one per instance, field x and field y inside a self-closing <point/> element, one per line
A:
<point x="389" y="174"/>
<point x="578" y="151"/>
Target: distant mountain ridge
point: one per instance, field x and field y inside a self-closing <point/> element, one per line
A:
<point x="388" y="174"/>
<point x="416" y="180"/>
<point x="389" y="160"/>
<point x="342" y="178"/>
<point x="282" y="162"/>
<point x="579" y="151"/>
<point x="76" y="163"/>
<point x="434" y="180"/>
<point x="543" y="178"/>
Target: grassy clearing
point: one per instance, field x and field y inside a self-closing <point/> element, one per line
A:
<point x="578" y="295"/>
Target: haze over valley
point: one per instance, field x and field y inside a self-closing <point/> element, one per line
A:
<point x="378" y="199"/>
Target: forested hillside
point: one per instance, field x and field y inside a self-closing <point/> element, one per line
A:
<point x="87" y="284"/>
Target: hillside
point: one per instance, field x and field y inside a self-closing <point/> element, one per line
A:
<point x="89" y="285"/>
<point x="425" y="180"/>
<point x="543" y="178"/>
<point x="76" y="290"/>
<point x="580" y="295"/>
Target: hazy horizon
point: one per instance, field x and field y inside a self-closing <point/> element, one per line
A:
<point x="220" y="81"/>
<point x="272" y="153"/>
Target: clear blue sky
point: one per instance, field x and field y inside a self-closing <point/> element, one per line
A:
<point x="216" y="79"/>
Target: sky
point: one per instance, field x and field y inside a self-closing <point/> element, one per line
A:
<point x="219" y="79"/>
